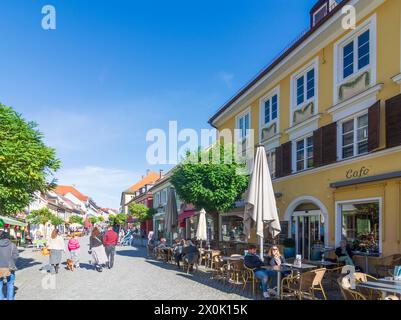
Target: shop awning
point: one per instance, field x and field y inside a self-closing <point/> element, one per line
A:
<point x="185" y="215"/>
<point x="13" y="222"/>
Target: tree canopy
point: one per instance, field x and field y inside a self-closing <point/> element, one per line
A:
<point x="76" y="219"/>
<point x="214" y="185"/>
<point x="41" y="216"/>
<point x="26" y="163"/>
<point x="141" y="211"/>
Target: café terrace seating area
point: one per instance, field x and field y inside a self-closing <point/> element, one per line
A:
<point x="222" y="265"/>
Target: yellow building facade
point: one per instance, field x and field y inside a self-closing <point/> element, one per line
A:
<point x="328" y="113"/>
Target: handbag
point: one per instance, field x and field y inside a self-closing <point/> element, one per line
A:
<point x="45" y="252"/>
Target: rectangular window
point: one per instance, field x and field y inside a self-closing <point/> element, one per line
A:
<point x="356" y="54"/>
<point x="354" y="136"/>
<point x="271" y="161"/>
<point x="304" y="154"/>
<point x="305" y="87"/>
<point x="360" y="225"/>
<point x="244" y="125"/>
<point x="348" y="58"/>
<point x="271" y="109"/>
<point x="300" y="90"/>
<point x="363" y="50"/>
<point x="267" y="111"/>
<point x="232" y="228"/>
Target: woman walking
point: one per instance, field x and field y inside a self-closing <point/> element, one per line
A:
<point x="56" y="246"/>
<point x="97" y="249"/>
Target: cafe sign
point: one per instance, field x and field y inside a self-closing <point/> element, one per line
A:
<point x="358" y="173"/>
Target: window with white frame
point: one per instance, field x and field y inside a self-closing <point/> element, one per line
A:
<point x="163" y="200"/>
<point x="304" y="153"/>
<point x="270" y="109"/>
<point x="305" y="87"/>
<point x="157" y="200"/>
<point x="320" y="14"/>
<point x="354" y="136"/>
<point x="271" y="162"/>
<point x="243" y="124"/>
<point x="356" y="54"/>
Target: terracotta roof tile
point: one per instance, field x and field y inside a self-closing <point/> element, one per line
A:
<point x="150" y="178"/>
<point x="63" y="190"/>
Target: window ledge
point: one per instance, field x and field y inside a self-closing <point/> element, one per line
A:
<point x="397" y="78"/>
<point x="372" y="91"/>
<point x="304" y="127"/>
<point x="277" y="136"/>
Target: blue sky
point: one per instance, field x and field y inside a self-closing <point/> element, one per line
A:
<point x="114" y="69"/>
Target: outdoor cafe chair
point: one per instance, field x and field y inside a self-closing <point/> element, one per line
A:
<point x="220" y="269"/>
<point x="349" y="294"/>
<point x="306" y="284"/>
<point x="370" y="294"/>
<point x="391" y="297"/>
<point x="332" y="275"/>
<point x="248" y="276"/>
<point x="236" y="270"/>
<point x="215" y="253"/>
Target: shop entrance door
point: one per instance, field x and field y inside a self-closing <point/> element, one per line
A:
<point x="309" y="231"/>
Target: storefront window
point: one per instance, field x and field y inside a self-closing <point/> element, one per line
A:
<point x="192" y="224"/>
<point x="210" y="229"/>
<point x="232" y="228"/>
<point x="360" y="225"/>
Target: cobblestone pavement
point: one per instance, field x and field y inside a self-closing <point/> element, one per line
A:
<point x="133" y="277"/>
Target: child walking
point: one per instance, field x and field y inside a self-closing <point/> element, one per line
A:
<point x="73" y="247"/>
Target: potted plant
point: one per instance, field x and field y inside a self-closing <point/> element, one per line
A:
<point x="289" y="248"/>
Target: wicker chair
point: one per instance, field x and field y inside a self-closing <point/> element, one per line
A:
<point x="370" y="294"/>
<point x="332" y="275"/>
<point x="306" y="284"/>
<point x="215" y="253"/>
<point x="349" y="294"/>
<point x="236" y="270"/>
<point x="220" y="269"/>
<point x="248" y="276"/>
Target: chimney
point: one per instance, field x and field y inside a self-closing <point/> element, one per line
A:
<point x="160" y="174"/>
<point x="147" y="172"/>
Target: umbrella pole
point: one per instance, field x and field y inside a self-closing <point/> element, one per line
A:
<point x="261" y="248"/>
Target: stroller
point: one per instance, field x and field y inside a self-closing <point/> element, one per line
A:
<point x="127" y="239"/>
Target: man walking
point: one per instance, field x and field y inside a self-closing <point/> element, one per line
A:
<point x="110" y="241"/>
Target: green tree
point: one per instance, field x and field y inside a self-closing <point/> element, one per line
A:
<point x="141" y="211"/>
<point x="121" y="218"/>
<point x="56" y="220"/>
<point x="41" y="216"/>
<point x="93" y="220"/>
<point x="100" y="219"/>
<point x="76" y="219"/>
<point x="112" y="219"/>
<point x="26" y="163"/>
<point x="210" y="182"/>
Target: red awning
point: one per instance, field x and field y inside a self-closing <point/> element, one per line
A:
<point x="185" y="215"/>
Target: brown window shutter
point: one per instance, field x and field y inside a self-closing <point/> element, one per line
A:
<point x="374" y="127"/>
<point x="329" y="143"/>
<point x="279" y="162"/>
<point x="318" y="147"/>
<point x="393" y="122"/>
<point x="325" y="145"/>
<point x="286" y="158"/>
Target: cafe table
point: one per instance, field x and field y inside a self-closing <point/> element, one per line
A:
<point x="321" y="263"/>
<point x="386" y="285"/>
<point x="287" y="267"/>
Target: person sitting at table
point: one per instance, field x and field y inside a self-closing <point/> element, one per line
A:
<point x="252" y="261"/>
<point x="275" y="259"/>
<point x="162" y="244"/>
<point x="344" y="253"/>
<point x="177" y="251"/>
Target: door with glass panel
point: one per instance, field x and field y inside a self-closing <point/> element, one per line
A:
<point x="309" y="231"/>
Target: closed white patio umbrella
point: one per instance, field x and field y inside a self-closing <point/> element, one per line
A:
<point x="260" y="205"/>
<point x="201" y="232"/>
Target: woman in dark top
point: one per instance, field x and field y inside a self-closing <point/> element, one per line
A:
<point x="97" y="249"/>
